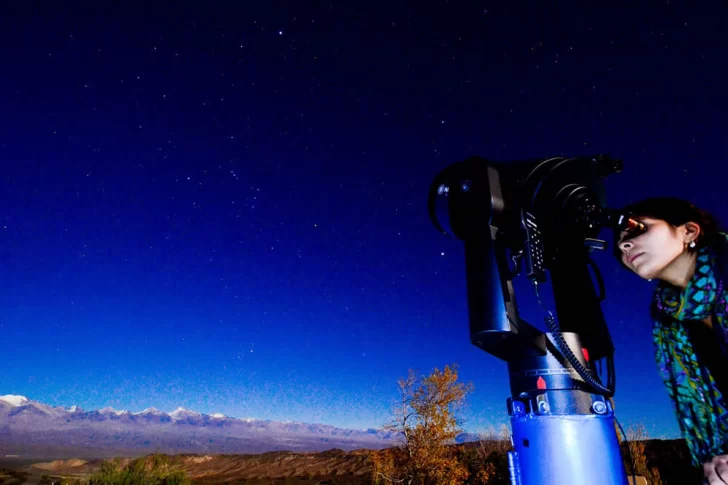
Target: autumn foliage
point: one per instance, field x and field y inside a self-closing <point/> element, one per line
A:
<point x="633" y="452"/>
<point x="426" y="418"/>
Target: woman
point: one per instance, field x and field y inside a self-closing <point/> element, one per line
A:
<point x="681" y="246"/>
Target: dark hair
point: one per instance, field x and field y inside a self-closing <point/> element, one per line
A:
<point x="675" y="212"/>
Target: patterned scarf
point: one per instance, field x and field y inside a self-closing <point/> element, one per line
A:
<point x="701" y="410"/>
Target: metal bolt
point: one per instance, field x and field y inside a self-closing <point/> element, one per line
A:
<point x="599" y="407"/>
<point x="518" y="408"/>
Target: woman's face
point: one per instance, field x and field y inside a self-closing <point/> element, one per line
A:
<point x="649" y="253"/>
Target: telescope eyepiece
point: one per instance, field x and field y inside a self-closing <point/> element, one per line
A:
<point x="631" y="226"/>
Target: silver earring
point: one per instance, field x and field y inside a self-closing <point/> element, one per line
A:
<point x="692" y="245"/>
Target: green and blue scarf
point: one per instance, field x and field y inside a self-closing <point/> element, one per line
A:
<point x="701" y="410"/>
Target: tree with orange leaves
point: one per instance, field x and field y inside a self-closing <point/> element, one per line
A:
<point x="426" y="418"/>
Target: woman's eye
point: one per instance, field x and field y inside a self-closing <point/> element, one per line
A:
<point x="637" y="231"/>
<point x="631" y="234"/>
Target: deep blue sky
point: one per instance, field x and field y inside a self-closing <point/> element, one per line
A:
<point x="225" y="209"/>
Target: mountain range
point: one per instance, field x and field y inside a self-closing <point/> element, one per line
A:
<point x="33" y="430"/>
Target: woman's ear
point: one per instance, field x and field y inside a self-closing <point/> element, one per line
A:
<point x="692" y="231"/>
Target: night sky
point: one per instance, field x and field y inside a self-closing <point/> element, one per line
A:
<point x="225" y="209"/>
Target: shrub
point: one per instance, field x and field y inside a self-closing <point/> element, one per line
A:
<point x="150" y="470"/>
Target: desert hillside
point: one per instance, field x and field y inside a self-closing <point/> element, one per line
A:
<point x="333" y="466"/>
<point x="337" y="465"/>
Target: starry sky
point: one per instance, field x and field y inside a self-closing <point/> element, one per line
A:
<point x="224" y="208"/>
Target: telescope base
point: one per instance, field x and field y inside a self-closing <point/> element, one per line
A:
<point x="565" y="449"/>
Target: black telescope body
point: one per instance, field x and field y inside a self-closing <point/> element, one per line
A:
<point x="544" y="212"/>
<point x="541" y="217"/>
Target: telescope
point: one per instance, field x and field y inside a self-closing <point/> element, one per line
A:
<point x="541" y="218"/>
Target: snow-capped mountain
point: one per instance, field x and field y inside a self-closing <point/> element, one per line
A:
<point x="110" y="410"/>
<point x="21" y="408"/>
<point x="14" y="400"/>
<point x="35" y="430"/>
<point x="151" y="412"/>
<point x="182" y="413"/>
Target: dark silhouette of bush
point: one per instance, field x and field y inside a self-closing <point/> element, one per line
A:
<point x="490" y="468"/>
<point x="12" y="477"/>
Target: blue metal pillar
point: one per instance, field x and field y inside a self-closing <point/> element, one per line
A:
<point x="562" y="435"/>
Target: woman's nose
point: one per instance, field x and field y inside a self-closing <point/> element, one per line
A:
<point x="625" y="245"/>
